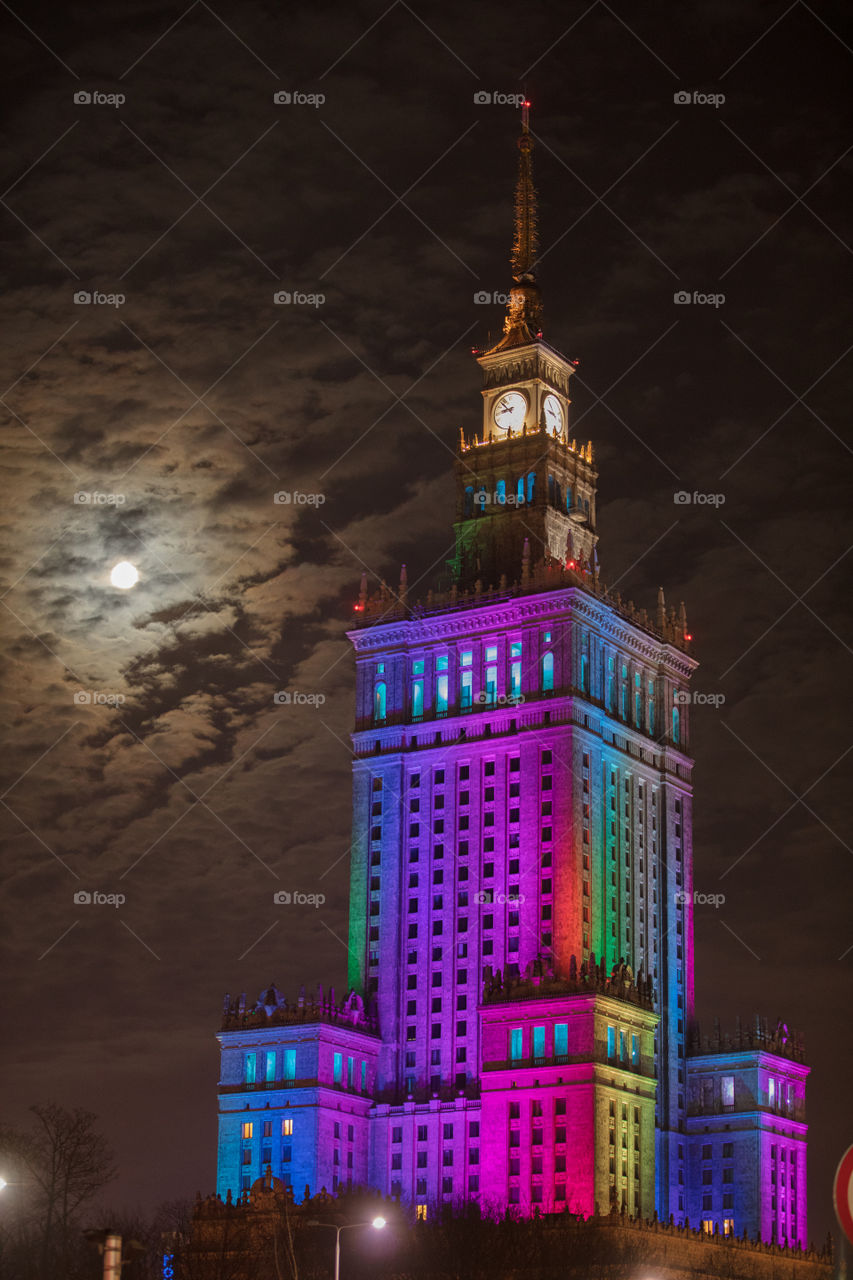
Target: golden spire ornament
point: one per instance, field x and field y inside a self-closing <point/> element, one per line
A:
<point x="525" y="304"/>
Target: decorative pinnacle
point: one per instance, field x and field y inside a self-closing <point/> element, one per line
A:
<point x="525" y="242"/>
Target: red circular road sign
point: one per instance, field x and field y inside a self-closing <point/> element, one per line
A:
<point x="842" y="1193"/>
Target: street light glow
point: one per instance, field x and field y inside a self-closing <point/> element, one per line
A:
<point x="378" y="1223"/>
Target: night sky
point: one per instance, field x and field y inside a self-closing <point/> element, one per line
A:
<point x="186" y="407"/>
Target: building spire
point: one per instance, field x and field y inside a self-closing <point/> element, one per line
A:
<point x="525" y="304"/>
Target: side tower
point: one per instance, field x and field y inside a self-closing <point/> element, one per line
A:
<point x="522" y="806"/>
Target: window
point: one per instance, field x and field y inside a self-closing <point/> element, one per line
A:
<point x="289" y="1064"/>
<point x="418" y="693"/>
<point x="466" y="686"/>
<point x="728" y="1226"/>
<point x="635" y="1050"/>
<point x="676" y="726"/>
<point x="269" y="1064"/>
<point x="547" y="672"/>
<point x="421" y="1211"/>
<point x="441" y="692"/>
<point x="247" y="1129"/>
<point x="379" y="695"/>
<point x="515" y="669"/>
<point x="611" y="1042"/>
<point x="251" y="1067"/>
<point x="561" y="1038"/>
<point x="727" y="1092"/>
<point x="539" y="1042"/>
<point x="515" y="1044"/>
<point x="338" y="1069"/>
<point x="286" y="1128"/>
<point x="708" y="1226"/>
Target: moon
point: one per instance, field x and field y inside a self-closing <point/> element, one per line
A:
<point x="124" y="575"/>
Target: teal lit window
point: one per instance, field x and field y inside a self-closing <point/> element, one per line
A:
<point x="251" y="1068"/>
<point x="676" y="726"/>
<point x="651" y="707"/>
<point x="635" y="1050"/>
<point x="269" y="1073"/>
<point x="611" y="1042"/>
<point x="531" y="486"/>
<point x="638" y="698"/>
<point x="379" y="695"/>
<point x="727" y="1092"/>
<point x="491" y="653"/>
<point x="338" y="1069"/>
<point x="441" y="693"/>
<point x="500" y="492"/>
<point x="418" y="667"/>
<point x="539" y="1042"/>
<point x="417" y="699"/>
<point x="380" y="667"/>
<point x="466" y="684"/>
<point x="584" y="672"/>
<point x="547" y="637"/>
<point x="623" y="693"/>
<point x="441" y="662"/>
<point x="611" y="680"/>
<point x="290" y="1064"/>
<point x="515" y="668"/>
<point x="622" y="1045"/>
<point x="520" y="491"/>
<point x="547" y="672"/>
<point x="515" y="1044"/>
<point x="561" y="1038"/>
<point x="491" y="676"/>
<point x="350" y="1072"/>
<point x="364" y="1077"/>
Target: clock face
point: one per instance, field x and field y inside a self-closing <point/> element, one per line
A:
<point x="553" y="416"/>
<point x="509" y="413"/>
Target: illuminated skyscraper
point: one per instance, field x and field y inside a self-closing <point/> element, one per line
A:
<point x="521" y="897"/>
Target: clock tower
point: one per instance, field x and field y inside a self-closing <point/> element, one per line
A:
<point x="523" y="477"/>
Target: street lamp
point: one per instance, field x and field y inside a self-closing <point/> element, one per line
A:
<point x="376" y="1223"/>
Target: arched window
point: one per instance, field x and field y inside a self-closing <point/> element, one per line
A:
<point x="500" y="493"/>
<point x="531" y="485"/>
<point x="547" y="672"/>
<point x="379" y="693"/>
<point x="469" y="501"/>
<point x="676" y="726"/>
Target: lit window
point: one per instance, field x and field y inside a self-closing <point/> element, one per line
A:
<point x="421" y="1212"/>
<point x="441" y="693"/>
<point x="727" y="1092"/>
<point x="539" y="1042"/>
<point x="708" y="1226"/>
<point x="728" y="1226"/>
<point x="547" y="672"/>
<point x="290" y="1064"/>
<point x="417" y="698"/>
<point x="338" y="1072"/>
<point x="466" y="684"/>
<point x="379" y="694"/>
<point x="561" y="1037"/>
<point x="286" y="1128"/>
<point x="676" y="726"/>
<point x="635" y="1050"/>
<point x="247" y="1129"/>
<point x="251" y="1067"/>
<point x="515" y="1044"/>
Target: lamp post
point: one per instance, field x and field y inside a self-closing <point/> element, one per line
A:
<point x="376" y="1223"/>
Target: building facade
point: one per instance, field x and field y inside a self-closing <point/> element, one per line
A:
<point x="521" y="968"/>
